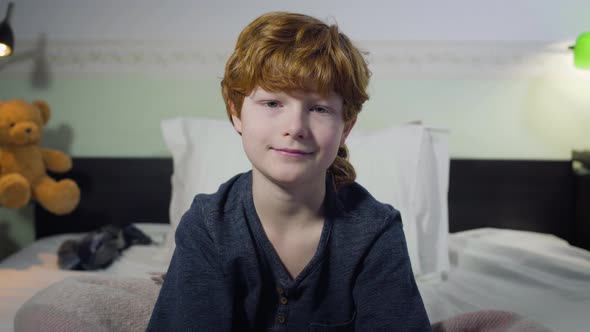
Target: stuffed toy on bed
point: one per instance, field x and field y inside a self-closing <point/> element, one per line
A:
<point x="24" y="164"/>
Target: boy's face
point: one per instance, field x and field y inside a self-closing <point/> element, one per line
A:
<point x="291" y="138"/>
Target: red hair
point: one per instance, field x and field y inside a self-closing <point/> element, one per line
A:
<point x="282" y="51"/>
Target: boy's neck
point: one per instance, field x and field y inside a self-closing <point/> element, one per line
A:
<point x="283" y="208"/>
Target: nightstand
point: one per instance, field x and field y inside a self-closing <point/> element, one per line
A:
<point x="582" y="223"/>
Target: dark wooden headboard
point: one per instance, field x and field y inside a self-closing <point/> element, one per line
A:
<point x="516" y="194"/>
<point x="113" y="191"/>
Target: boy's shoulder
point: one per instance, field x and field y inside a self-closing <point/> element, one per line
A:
<point x="359" y="203"/>
<point x="227" y="197"/>
<point x="364" y="218"/>
<point x="207" y="209"/>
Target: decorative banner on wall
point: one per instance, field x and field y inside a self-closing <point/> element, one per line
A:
<point x="387" y="59"/>
<point x="468" y="60"/>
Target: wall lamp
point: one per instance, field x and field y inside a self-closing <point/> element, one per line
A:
<point x="6" y="35"/>
<point x="582" y="51"/>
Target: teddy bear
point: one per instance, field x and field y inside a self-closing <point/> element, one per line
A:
<point x="24" y="164"/>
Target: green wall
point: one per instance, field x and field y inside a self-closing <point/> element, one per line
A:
<point x="119" y="115"/>
<point x="116" y="116"/>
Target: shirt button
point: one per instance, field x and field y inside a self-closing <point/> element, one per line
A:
<point x="284" y="300"/>
<point x="280" y="290"/>
<point x="281" y="318"/>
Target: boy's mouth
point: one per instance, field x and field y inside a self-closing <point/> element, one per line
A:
<point x="292" y="152"/>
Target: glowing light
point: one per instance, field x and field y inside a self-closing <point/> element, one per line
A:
<point x="5" y="50"/>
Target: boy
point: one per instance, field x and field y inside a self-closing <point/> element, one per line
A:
<point x="295" y="244"/>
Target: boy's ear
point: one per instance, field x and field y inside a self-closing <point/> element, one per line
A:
<point x="235" y="119"/>
<point x="347" y="128"/>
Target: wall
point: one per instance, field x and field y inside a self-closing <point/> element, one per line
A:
<point x="499" y="99"/>
<point x="500" y="79"/>
<point x="503" y="20"/>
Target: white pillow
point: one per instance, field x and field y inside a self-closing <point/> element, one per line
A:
<point x="435" y="246"/>
<point x="205" y="154"/>
<point x="405" y="166"/>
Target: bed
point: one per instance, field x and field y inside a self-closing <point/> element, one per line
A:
<point x="483" y="234"/>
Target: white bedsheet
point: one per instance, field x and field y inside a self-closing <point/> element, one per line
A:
<point x="537" y="276"/>
<point x="35" y="267"/>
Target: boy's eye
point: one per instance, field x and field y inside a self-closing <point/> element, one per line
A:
<point x="271" y="104"/>
<point x="320" y="109"/>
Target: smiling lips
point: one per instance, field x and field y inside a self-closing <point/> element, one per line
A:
<point x="292" y="153"/>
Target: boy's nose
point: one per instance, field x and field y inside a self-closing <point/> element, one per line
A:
<point x="297" y="124"/>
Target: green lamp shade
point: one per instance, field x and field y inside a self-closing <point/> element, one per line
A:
<point x="582" y="51"/>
